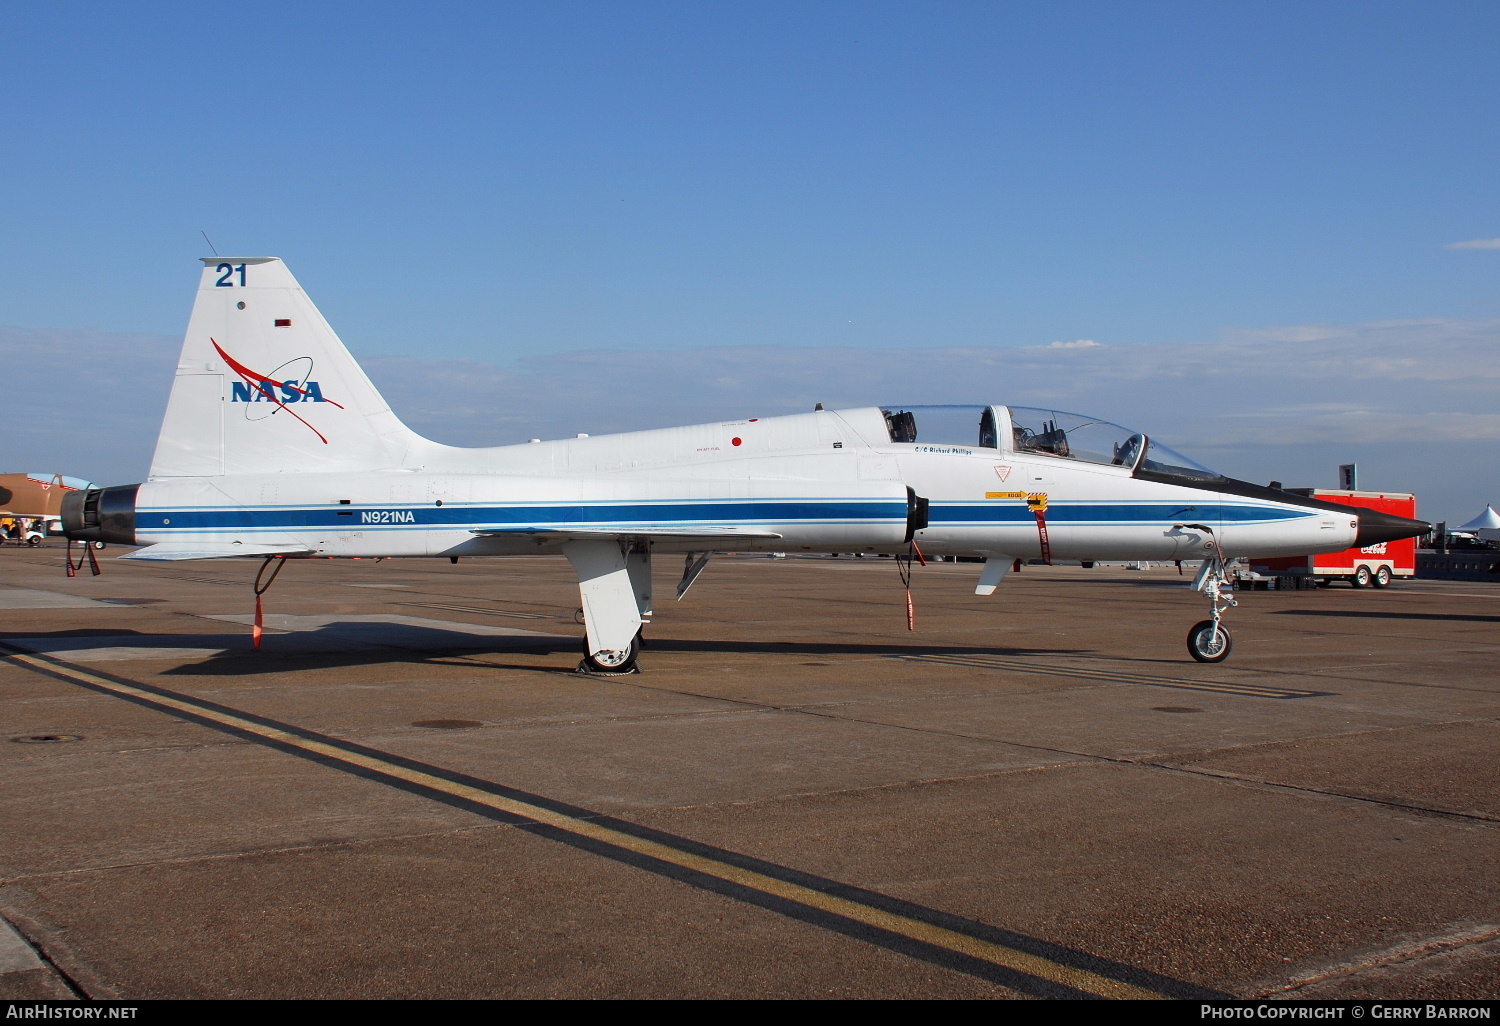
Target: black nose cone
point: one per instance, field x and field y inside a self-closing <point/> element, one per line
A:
<point x="1376" y="527"/>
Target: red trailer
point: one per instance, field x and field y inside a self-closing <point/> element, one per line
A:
<point x="1373" y="564"/>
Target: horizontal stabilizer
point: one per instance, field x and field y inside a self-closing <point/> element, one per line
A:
<point x="170" y="551"/>
<point x="644" y="531"/>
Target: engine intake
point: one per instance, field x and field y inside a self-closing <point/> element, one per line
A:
<point x="101" y="514"/>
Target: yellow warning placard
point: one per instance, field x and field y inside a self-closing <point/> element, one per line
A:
<point x="1005" y="495"/>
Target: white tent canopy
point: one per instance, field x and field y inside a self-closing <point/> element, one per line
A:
<point x="1489" y="520"/>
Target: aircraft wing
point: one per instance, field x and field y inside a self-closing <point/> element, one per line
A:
<point x="644" y="531"/>
<point x="213" y="550"/>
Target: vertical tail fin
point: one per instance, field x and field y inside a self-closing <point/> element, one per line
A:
<point x="265" y="386"/>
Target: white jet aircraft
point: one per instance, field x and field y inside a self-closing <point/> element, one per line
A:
<point x="276" y="445"/>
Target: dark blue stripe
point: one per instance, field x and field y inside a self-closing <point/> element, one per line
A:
<point x="688" y="513"/>
<point x="469" y="517"/>
<point x="1117" y="513"/>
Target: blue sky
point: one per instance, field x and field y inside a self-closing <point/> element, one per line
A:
<point x="493" y="179"/>
<point x="510" y="182"/>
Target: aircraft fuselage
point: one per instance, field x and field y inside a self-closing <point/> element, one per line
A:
<point x="809" y="482"/>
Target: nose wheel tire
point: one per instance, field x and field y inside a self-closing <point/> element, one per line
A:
<point x="1209" y="642"/>
<point x="609" y="662"/>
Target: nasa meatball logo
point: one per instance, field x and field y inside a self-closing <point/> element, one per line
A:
<point x="270" y="394"/>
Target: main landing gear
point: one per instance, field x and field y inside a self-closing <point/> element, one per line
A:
<point x="614" y="580"/>
<point x="611" y="662"/>
<point x="1209" y="640"/>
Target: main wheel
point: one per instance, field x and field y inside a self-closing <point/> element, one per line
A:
<point x="33" y="541"/>
<point x="1361" y="578"/>
<point x="611" y="662"/>
<point x="1382" y="577"/>
<point x="1208" y="645"/>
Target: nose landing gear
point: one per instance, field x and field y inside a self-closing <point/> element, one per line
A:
<point x="1209" y="640"/>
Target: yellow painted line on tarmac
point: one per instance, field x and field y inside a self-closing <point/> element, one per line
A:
<point x="372" y="762"/>
<point x="1113" y="676"/>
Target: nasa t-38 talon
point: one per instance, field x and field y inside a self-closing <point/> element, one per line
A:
<point x="276" y="444"/>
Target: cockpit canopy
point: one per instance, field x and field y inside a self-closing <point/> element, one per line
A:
<point x="1026" y="429"/>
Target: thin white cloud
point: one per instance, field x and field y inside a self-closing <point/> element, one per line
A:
<point x="1282" y="426"/>
<point x="1414" y="401"/>
<point x="1083" y="343"/>
<point x="1475" y="244"/>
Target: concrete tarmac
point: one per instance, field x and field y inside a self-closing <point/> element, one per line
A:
<point x="409" y="793"/>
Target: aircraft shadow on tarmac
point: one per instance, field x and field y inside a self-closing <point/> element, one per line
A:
<point x="845" y="648"/>
<point x="1375" y="614"/>
<point x="329" y="642"/>
<point x="343" y="643"/>
<point x="270" y="659"/>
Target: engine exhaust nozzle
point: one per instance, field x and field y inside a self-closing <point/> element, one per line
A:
<point x="101" y="514"/>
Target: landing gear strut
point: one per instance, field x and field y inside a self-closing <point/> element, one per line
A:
<point x="1209" y="640"/>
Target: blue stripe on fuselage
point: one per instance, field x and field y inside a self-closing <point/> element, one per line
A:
<point x="691" y="513"/>
<point x="959" y="514"/>
<point x="469" y="517"/>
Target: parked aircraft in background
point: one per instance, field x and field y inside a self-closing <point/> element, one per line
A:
<point x="37" y="494"/>
<point x="30" y="504"/>
<point x="276" y="445"/>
